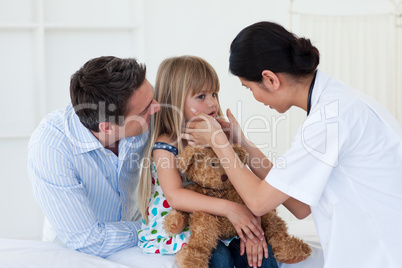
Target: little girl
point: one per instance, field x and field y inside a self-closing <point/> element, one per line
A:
<point x="182" y="84"/>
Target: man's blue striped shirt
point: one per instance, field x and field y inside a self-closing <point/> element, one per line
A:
<point x="87" y="193"/>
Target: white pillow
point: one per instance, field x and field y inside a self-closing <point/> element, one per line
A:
<point x="135" y="258"/>
<point x="39" y="254"/>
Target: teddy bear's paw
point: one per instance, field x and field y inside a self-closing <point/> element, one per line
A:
<point x="175" y="222"/>
<point x="191" y="257"/>
<point x="294" y="251"/>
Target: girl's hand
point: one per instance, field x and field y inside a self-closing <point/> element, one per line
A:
<point x="246" y="224"/>
<point x="202" y="130"/>
<point x="232" y="128"/>
<point x="255" y="252"/>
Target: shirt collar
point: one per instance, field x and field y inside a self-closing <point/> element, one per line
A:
<point x="320" y="82"/>
<point x="136" y="143"/>
<point x="79" y="136"/>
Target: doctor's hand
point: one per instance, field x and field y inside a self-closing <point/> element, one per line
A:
<point x="232" y="129"/>
<point x="204" y="130"/>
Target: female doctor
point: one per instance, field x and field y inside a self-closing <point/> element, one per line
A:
<point x="344" y="165"/>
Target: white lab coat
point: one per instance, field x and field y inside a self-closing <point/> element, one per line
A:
<point x="346" y="163"/>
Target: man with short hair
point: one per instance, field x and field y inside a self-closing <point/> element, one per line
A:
<point x="84" y="161"/>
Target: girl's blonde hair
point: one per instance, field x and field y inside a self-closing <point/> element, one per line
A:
<point x="176" y="77"/>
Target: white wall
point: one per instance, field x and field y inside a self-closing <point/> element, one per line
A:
<point x="207" y="28"/>
<point x="42" y="44"/>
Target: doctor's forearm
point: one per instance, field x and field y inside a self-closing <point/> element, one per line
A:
<point x="258" y="195"/>
<point x="299" y="209"/>
<point x="258" y="162"/>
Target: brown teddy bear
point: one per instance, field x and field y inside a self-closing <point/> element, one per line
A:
<point x="202" y="167"/>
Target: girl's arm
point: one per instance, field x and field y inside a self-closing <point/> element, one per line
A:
<point x="180" y="198"/>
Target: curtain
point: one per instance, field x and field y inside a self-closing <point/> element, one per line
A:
<point x="358" y="42"/>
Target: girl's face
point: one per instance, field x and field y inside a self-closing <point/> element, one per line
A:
<point x="205" y="102"/>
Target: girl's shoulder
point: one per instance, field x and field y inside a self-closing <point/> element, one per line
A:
<point x="165" y="143"/>
<point x="165" y="139"/>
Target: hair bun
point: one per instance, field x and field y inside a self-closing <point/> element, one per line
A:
<point x="305" y="56"/>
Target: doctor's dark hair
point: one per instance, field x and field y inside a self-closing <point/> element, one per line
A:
<point x="269" y="46"/>
<point x="100" y="90"/>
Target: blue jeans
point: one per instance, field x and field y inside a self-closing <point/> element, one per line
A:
<point x="229" y="257"/>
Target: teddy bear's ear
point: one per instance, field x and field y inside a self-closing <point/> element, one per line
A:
<point x="186" y="158"/>
<point x="242" y="153"/>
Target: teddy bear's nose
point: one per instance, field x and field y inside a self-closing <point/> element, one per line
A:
<point x="224" y="178"/>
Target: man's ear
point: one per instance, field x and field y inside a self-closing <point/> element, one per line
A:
<point x="107" y="128"/>
<point x="270" y="80"/>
